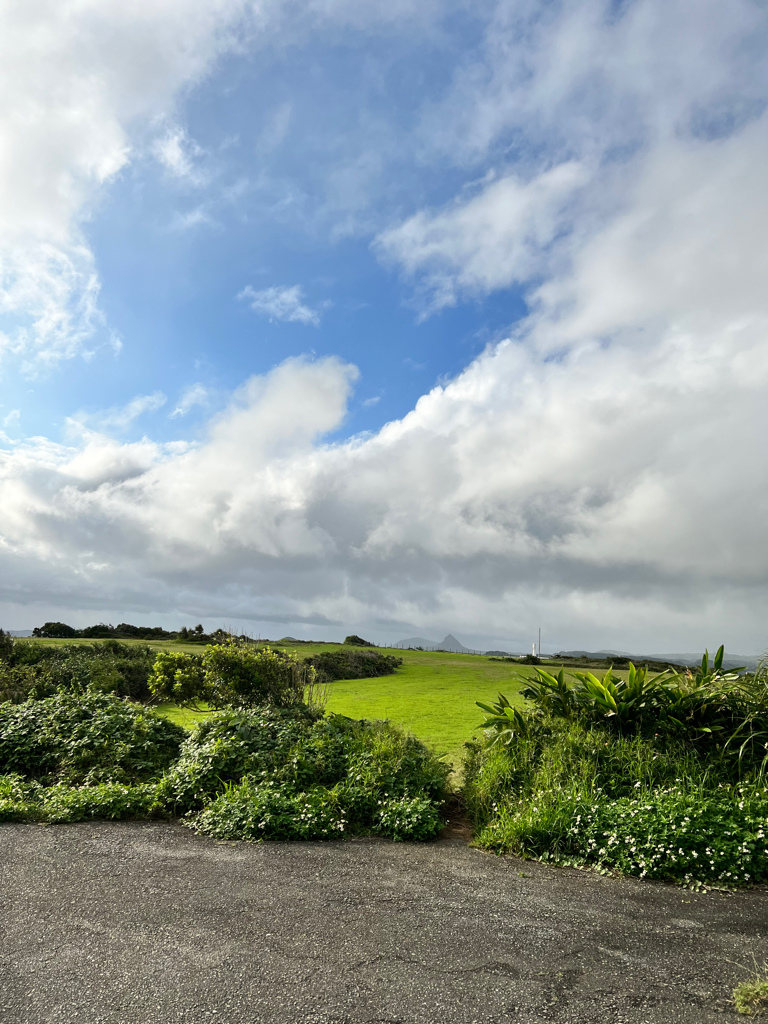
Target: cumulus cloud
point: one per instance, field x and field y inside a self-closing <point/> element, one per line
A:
<point x="499" y="237"/>
<point x="281" y="303"/>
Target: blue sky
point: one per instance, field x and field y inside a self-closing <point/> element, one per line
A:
<point x="404" y="318"/>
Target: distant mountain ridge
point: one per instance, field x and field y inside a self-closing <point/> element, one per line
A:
<point x="687" y="660"/>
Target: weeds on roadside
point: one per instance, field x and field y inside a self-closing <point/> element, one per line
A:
<point x="750" y="996"/>
<point x="660" y="777"/>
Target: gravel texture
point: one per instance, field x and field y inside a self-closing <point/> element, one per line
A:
<point x="137" y="923"/>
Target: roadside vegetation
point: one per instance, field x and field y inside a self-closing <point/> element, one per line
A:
<point x="654" y="774"/>
<point x="266" y="762"/>
<point x="658" y="776"/>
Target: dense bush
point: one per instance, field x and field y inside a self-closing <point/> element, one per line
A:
<point x="658" y="777"/>
<point x="357" y="641"/>
<point x="272" y="772"/>
<point x="354" y="664"/>
<point x="713" y="711"/>
<point x="85" y="739"/>
<point x="234" y="673"/>
<point x="291" y="773"/>
<point x="32" y="670"/>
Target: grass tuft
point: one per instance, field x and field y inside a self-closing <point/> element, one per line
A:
<point x="750" y="996"/>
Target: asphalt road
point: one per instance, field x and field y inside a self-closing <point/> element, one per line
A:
<point x="140" y="923"/>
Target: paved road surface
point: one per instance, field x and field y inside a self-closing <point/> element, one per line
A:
<point x="137" y="923"/>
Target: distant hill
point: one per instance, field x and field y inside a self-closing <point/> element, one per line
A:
<point x="687" y="660"/>
<point x="448" y="643"/>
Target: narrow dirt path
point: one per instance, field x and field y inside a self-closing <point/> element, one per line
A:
<point x="137" y="923"/>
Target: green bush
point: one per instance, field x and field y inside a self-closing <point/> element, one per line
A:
<point x="230" y="745"/>
<point x="357" y="641"/>
<point x="31" y="670"/>
<point x="713" y="711"/>
<point x="290" y="773"/>
<point x="110" y="800"/>
<point x="653" y="805"/>
<point x="234" y="673"/>
<point x="84" y="739"/>
<point x="19" y="798"/>
<point x="354" y="664"/>
<point x="718" y="836"/>
<point x="251" y="810"/>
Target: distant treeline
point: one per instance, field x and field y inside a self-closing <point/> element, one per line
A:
<point x="125" y="631"/>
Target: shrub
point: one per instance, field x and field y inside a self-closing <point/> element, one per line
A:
<point x="231" y="674"/>
<point x="715" y="836"/>
<point x="251" y="810"/>
<point x="106" y="800"/>
<point x="357" y="641"/>
<point x="356" y="664"/>
<point x="34" y="670"/>
<point x="712" y="710"/>
<point x="85" y="739"/>
<point x="289" y="773"/>
<point x="651" y="805"/>
<point x="230" y="745"/>
<point x="18" y="798"/>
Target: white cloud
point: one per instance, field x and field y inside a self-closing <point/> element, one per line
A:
<point x="121" y="418"/>
<point x="177" y="153"/>
<point x="74" y="80"/>
<point x="195" y="394"/>
<point x="601" y="472"/>
<point x="499" y="237"/>
<point x="282" y="303"/>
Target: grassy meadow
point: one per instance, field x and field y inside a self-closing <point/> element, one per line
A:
<point x="432" y="695"/>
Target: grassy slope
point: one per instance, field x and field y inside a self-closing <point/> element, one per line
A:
<point x="432" y="695"/>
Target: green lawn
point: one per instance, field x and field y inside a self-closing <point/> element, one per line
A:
<point x="432" y="695"/>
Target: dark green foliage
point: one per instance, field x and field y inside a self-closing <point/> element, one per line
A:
<point x="355" y="664"/>
<point x="36" y="670"/>
<point x="357" y="641"/>
<point x="110" y="800"/>
<point x="662" y="776"/>
<point x="253" y="811"/>
<point x="234" y="673"/>
<point x="85" y="739"/>
<point x="272" y="772"/>
<point x="230" y="745"/>
<point x="126" y="631"/>
<point x="710" y="836"/>
<point x="292" y="752"/>
<point x="56" y="629"/>
<point x="25" y="800"/>
<point x="283" y="775"/>
<point x="712" y="711"/>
